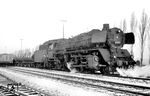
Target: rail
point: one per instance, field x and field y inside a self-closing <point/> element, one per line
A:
<point x="108" y="85"/>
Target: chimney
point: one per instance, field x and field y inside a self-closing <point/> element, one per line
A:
<point x="105" y="26"/>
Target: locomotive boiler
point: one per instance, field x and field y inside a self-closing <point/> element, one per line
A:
<point x="99" y="50"/>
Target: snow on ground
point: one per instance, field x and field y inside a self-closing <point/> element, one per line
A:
<point x="2" y="79"/>
<point x="137" y="71"/>
<point x="91" y="76"/>
<point x="49" y="86"/>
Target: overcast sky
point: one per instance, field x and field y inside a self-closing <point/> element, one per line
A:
<point x="36" y="21"/>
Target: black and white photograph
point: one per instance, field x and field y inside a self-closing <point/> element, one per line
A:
<point x="74" y="48"/>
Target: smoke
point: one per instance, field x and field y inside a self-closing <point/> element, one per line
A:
<point x="69" y="66"/>
<point x="137" y="71"/>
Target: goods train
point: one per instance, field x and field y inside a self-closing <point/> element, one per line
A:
<point x="97" y="50"/>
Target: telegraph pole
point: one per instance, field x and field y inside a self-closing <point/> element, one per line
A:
<point x="21" y="53"/>
<point x="21" y="44"/>
<point x="63" y="21"/>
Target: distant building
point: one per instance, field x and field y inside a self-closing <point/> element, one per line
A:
<point x="6" y="57"/>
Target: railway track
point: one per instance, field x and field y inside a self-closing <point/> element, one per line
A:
<point x="126" y="77"/>
<point x="144" y="82"/>
<point x="94" y="83"/>
<point x="18" y="91"/>
<point x="137" y="80"/>
<point x="12" y="88"/>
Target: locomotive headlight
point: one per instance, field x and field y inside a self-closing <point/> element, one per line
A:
<point x="114" y="56"/>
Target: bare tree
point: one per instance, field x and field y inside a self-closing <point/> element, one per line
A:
<point x="37" y="47"/>
<point x="148" y="30"/>
<point x="23" y="53"/>
<point x="133" y="25"/>
<point x="27" y="53"/>
<point x="18" y="53"/>
<point x="143" y="25"/>
<point x="123" y="25"/>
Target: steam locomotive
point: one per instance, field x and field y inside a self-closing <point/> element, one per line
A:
<point x="97" y="50"/>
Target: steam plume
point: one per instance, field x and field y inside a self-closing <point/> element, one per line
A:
<point x="137" y="71"/>
<point x="69" y="66"/>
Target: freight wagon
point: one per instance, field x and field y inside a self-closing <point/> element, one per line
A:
<point x="6" y="59"/>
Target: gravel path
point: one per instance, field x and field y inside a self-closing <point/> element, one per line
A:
<point x="51" y="87"/>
